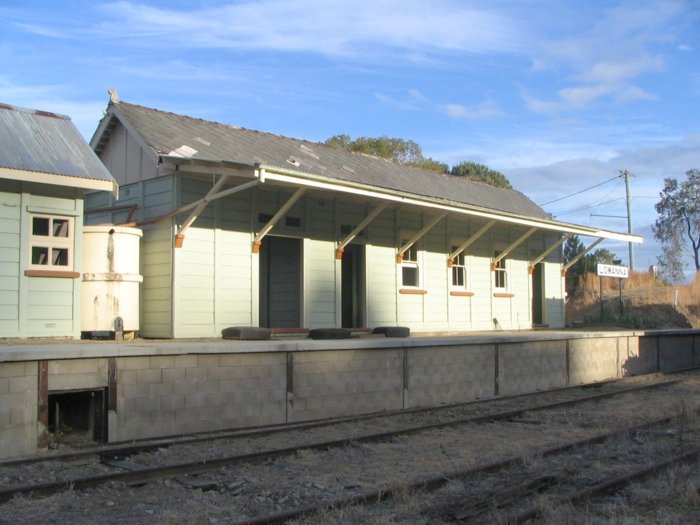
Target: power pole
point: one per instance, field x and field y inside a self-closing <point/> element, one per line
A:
<point x="626" y="174"/>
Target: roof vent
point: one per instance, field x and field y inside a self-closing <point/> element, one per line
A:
<point x="202" y="141"/>
<point x="294" y="161"/>
<point x="348" y="168"/>
<point x="183" y="151"/>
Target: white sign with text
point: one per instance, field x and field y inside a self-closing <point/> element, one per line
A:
<point x="611" y="270"/>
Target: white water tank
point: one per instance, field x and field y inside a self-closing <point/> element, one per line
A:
<point x="111" y="278"/>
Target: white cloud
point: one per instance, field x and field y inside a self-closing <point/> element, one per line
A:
<point x="351" y="29"/>
<point x="607" y="63"/>
<point x="84" y="114"/>
<point x="480" y="111"/>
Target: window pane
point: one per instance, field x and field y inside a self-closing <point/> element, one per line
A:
<point x="458" y="276"/>
<point x="60" y="228"/>
<point x="60" y="256"/>
<point x="40" y="226"/>
<point x="40" y="255"/>
<point x="411" y="254"/>
<point x="500" y="278"/>
<point x="409" y="276"/>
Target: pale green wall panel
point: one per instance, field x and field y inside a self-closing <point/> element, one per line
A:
<point x="319" y="283"/>
<point x="381" y="285"/>
<point x="9" y="312"/>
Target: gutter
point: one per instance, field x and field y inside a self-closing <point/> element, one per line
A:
<point x="304" y="179"/>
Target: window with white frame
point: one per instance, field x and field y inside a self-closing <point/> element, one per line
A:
<point x="459" y="270"/>
<point x="500" y="273"/>
<point x="51" y="242"/>
<point x="410" y="271"/>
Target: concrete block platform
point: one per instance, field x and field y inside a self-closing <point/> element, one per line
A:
<point x="147" y="388"/>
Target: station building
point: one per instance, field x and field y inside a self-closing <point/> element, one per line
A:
<point x="244" y="228"/>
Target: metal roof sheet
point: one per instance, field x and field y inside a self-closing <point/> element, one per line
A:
<point x="43" y="142"/>
<point x="170" y="134"/>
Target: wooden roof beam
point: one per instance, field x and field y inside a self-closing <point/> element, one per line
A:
<point x="545" y="253"/>
<point x="365" y="222"/>
<point x="180" y="237"/>
<point x="257" y="242"/>
<point x="513" y="246"/>
<point x="417" y="236"/>
<point x="579" y="257"/>
<point x="471" y="240"/>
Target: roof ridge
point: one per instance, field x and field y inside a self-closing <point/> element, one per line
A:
<point x="30" y="111"/>
<point x="269" y="134"/>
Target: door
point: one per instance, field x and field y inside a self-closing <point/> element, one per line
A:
<point x="353" y="286"/>
<point x="537" y="295"/>
<point x="280" y="282"/>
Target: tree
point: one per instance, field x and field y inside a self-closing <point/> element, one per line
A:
<point x="431" y="164"/>
<point x="678" y="224"/>
<point x="399" y="150"/>
<point x="573" y="247"/>
<point x="481" y="173"/>
<point x="410" y="153"/>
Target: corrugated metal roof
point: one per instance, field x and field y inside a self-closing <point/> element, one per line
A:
<point x="178" y="135"/>
<point x="43" y="142"/>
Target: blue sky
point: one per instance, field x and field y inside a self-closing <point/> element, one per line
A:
<point x="558" y="95"/>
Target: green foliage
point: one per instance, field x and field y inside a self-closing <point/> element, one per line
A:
<point x="431" y="164"/>
<point x="678" y="224"/>
<point x="399" y="150"/>
<point x="573" y="247"/>
<point x="410" y="153"/>
<point x="481" y="173"/>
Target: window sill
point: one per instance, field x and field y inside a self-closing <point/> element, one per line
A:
<point x="457" y="293"/>
<point x="52" y="273"/>
<point x="503" y="294"/>
<point x="413" y="291"/>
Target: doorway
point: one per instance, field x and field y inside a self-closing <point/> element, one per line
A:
<point x="538" y="295"/>
<point x="280" y="282"/>
<point x="353" y="286"/>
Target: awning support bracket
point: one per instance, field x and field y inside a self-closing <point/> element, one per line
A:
<point x="180" y="237"/>
<point x="413" y="240"/>
<point x="257" y="241"/>
<point x="365" y="222"/>
<point x="579" y="257"/>
<point x="486" y="227"/>
<point x="536" y="260"/>
<point x="512" y="247"/>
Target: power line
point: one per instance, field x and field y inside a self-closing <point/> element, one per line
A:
<point x="581" y="191"/>
<point x="588" y="207"/>
<point x="596" y="202"/>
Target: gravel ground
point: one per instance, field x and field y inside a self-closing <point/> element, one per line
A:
<point x="234" y="493"/>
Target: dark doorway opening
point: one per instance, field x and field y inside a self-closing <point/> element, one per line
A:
<point x="538" y="295"/>
<point x="353" y="286"/>
<point x="78" y="417"/>
<point x="280" y="283"/>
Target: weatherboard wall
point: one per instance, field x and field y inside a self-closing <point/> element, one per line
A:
<point x="212" y="281"/>
<point x="33" y="306"/>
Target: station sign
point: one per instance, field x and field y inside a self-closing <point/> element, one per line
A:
<point x="612" y="270"/>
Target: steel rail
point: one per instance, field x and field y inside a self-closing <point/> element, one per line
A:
<point x="195" y="467"/>
<point x="435" y="482"/>
<point x="610" y="485"/>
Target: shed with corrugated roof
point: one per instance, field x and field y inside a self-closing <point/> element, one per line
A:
<point x="45" y="168"/>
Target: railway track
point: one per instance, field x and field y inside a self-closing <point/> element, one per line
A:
<point x="143" y="464"/>
<point x="522" y="488"/>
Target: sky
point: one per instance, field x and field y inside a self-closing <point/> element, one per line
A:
<point x="558" y="95"/>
